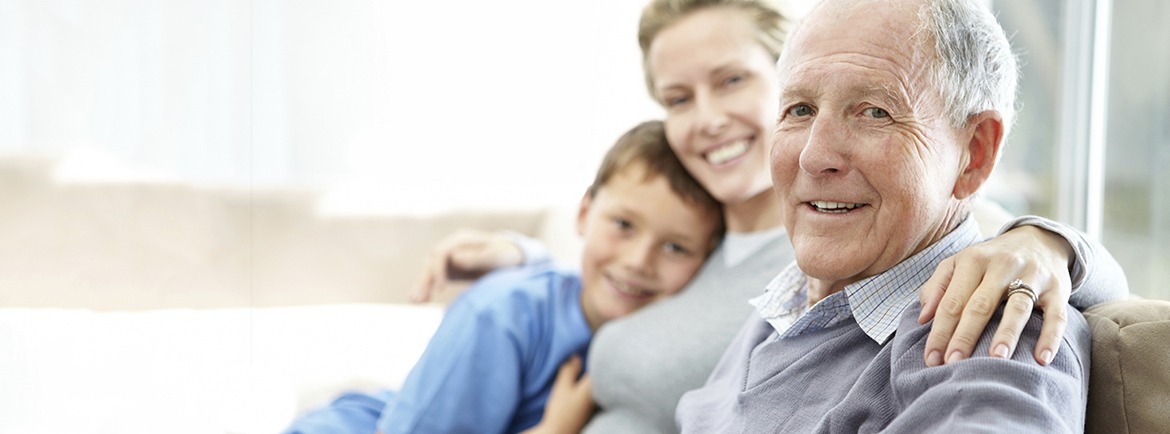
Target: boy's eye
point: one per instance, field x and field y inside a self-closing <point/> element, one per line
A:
<point x="800" y="110"/>
<point x="876" y="113"/>
<point x="677" y="249"/>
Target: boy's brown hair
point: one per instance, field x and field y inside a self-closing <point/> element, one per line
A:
<point x="646" y="144"/>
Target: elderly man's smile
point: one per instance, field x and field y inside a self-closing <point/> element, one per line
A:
<point x="834" y="207"/>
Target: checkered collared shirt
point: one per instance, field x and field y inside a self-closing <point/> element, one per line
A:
<point x="875" y="302"/>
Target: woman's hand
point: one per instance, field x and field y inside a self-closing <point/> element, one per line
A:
<point x="465" y="254"/>
<point x="967" y="288"/>
<point x="570" y="404"/>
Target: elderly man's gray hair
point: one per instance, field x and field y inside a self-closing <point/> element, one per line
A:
<point x="976" y="69"/>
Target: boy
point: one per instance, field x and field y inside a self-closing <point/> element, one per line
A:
<point x="647" y="226"/>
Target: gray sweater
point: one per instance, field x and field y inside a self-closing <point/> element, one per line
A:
<point x="838" y="379"/>
<point x="642" y="364"/>
<point x="840" y="368"/>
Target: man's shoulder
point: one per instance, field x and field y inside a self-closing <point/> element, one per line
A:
<point x="911" y="336"/>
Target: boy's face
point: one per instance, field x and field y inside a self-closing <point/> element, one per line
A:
<point x="642" y="244"/>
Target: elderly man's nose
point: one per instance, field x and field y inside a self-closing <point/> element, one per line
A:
<point x="822" y="153"/>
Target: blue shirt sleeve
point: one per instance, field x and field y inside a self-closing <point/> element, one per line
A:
<point x="468" y="378"/>
<point x="534" y="252"/>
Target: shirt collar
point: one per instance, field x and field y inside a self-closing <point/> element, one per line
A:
<point x="875" y="302"/>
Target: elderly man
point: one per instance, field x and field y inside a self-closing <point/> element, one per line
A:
<point x="893" y="113"/>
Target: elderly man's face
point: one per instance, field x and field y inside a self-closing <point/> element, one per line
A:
<point x="863" y="160"/>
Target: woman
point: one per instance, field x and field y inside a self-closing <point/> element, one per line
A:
<point x="711" y="65"/>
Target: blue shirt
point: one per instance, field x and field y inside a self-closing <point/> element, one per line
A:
<point x="488" y="368"/>
<point x="491" y="364"/>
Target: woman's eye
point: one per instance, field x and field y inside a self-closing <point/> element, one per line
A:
<point x="800" y="110"/>
<point x="876" y="113"/>
<point x="676" y="101"/>
<point x="622" y="224"/>
<point x="733" y="79"/>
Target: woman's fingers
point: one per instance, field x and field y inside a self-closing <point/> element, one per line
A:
<point x="962" y="283"/>
<point x="934" y="288"/>
<point x="1055" y="307"/>
<point x="443" y="261"/>
<point x="1016" y="312"/>
<point x="434" y="275"/>
<point x="966" y="290"/>
<point x="976" y="315"/>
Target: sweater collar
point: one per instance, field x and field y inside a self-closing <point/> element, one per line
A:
<point x="875" y="303"/>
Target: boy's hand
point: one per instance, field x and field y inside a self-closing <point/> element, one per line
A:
<point x="967" y="288"/>
<point x="465" y="254"/>
<point x="570" y="404"/>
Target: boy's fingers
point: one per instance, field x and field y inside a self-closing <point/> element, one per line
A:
<point x="568" y="376"/>
<point x="584" y="387"/>
<point x="570" y="369"/>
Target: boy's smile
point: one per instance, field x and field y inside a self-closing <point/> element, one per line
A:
<point x="642" y="243"/>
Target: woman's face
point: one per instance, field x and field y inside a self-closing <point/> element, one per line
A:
<point x="718" y="85"/>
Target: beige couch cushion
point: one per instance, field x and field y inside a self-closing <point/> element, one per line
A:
<point x="1129" y="384"/>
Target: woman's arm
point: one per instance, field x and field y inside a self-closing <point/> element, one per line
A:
<point x="1053" y="258"/>
<point x="471" y="253"/>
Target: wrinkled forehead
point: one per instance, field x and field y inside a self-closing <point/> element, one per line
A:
<point x="883" y="40"/>
<point x="886" y="28"/>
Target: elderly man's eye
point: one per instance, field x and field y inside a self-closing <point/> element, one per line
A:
<point x="800" y="110"/>
<point x="877" y="113"/>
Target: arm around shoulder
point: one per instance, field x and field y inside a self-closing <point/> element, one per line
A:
<point x="1096" y="275"/>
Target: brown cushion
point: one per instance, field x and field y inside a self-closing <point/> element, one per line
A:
<point x="1129" y="381"/>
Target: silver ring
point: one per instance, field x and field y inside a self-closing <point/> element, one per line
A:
<point x="1019" y="287"/>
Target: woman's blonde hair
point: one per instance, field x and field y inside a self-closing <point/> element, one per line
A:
<point x="771" y="18"/>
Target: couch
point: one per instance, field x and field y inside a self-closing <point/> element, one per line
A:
<point x="164" y="307"/>
<point x="1129" y="381"/>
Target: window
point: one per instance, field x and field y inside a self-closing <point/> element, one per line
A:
<point x="1092" y="142"/>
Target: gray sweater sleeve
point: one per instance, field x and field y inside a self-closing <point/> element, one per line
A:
<point x="534" y="252"/>
<point x="988" y="394"/>
<point x="1096" y="275"/>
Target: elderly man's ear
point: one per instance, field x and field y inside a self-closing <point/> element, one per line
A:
<point x="986" y="129"/>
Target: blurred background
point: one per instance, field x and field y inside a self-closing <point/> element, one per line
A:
<point x="1092" y="141"/>
<point x="419" y="108"/>
<point x="179" y="154"/>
